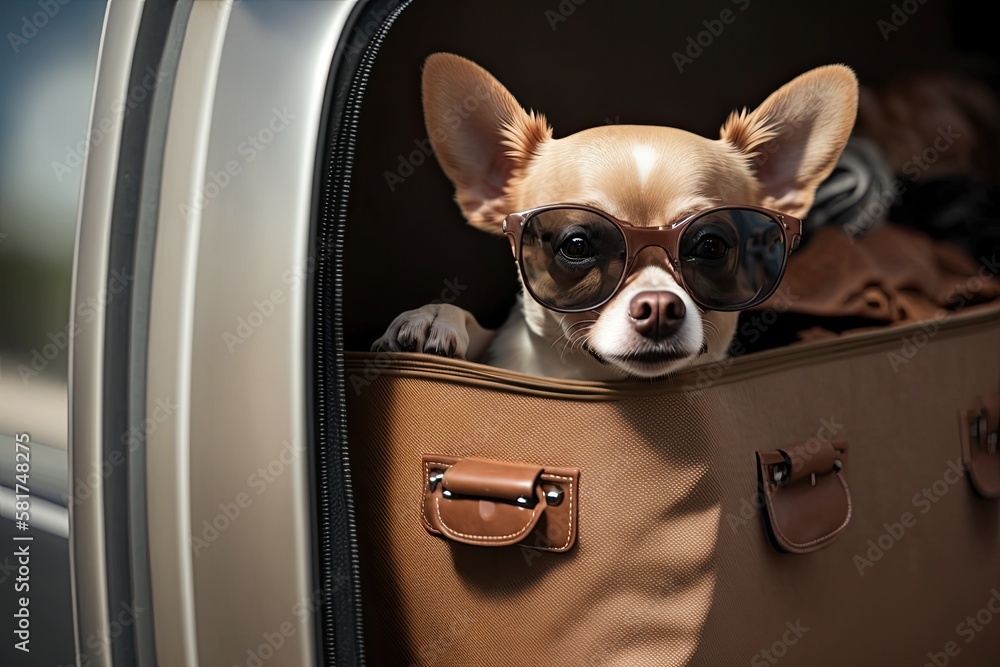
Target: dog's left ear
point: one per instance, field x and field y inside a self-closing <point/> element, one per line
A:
<point x="795" y="137"/>
<point x="481" y="135"/>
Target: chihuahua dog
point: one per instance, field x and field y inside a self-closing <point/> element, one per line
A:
<point x="636" y="246"/>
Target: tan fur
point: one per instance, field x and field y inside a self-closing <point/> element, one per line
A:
<point x="503" y="159"/>
<point x="793" y="139"/>
<point x="481" y="135"/>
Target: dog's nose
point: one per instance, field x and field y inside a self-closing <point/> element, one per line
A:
<point x="656" y="315"/>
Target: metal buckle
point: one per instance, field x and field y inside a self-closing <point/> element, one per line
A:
<point x="553" y="493"/>
<point x="980" y="435"/>
<point x="782" y="472"/>
<point x="434" y="480"/>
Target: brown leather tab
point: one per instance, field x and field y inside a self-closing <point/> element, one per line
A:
<point x="806" y="495"/>
<point x="980" y="431"/>
<point x="495" y="503"/>
<point x="492" y="479"/>
<point x="809" y="458"/>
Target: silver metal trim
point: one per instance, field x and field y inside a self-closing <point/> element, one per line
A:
<point x="780" y="473"/>
<point x="138" y="344"/>
<point x="433" y="480"/>
<point x="168" y="492"/>
<point x="228" y="237"/>
<point x="88" y="573"/>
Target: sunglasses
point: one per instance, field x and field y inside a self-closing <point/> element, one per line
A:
<point x="574" y="258"/>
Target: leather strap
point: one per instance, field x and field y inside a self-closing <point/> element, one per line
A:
<point x="805" y="493"/>
<point x="980" y="431"/>
<point x="492" y="479"/>
<point x="497" y="503"/>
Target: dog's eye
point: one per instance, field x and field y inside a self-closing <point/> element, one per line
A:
<point x="711" y="247"/>
<point x="575" y="247"/>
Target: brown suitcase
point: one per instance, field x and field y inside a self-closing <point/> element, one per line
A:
<point x="809" y="505"/>
<point x="818" y="504"/>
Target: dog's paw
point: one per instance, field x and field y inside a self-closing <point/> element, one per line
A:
<point x="434" y="329"/>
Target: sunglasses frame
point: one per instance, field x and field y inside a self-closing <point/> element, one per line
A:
<point x="638" y="239"/>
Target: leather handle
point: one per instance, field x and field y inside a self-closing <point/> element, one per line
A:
<point x="497" y="503"/>
<point x="492" y="479"/>
<point x="805" y="493"/>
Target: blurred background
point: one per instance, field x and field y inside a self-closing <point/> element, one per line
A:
<point x="48" y="61"/>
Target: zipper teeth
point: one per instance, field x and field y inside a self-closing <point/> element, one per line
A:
<point x="330" y="340"/>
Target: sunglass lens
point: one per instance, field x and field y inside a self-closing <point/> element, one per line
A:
<point x="572" y="259"/>
<point x="732" y="258"/>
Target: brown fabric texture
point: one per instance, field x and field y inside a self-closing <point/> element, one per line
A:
<point x="890" y="274"/>
<point x="672" y="565"/>
<point x="639" y="581"/>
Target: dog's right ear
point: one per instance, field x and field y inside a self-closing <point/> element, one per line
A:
<point x="794" y="139"/>
<point x="481" y="135"/>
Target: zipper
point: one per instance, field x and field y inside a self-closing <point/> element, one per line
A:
<point x="339" y="572"/>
